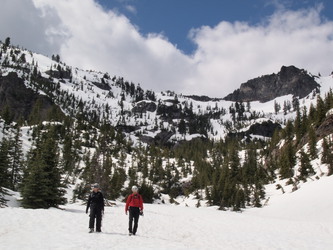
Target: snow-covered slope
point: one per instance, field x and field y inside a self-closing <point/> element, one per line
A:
<point x="300" y="220"/>
<point x="114" y="99"/>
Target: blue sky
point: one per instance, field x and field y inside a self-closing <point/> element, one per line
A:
<point x="202" y="47"/>
<point x="175" y="18"/>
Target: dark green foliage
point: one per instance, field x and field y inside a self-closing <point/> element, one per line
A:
<point x="287" y="161"/>
<point x="42" y="185"/>
<point x="182" y="127"/>
<point x="327" y="156"/>
<point x="298" y="126"/>
<point x="7" y="41"/>
<point x="117" y="182"/>
<point x="4" y="163"/>
<point x="3" y="201"/>
<point x="320" y="110"/>
<point x="312" y="143"/>
<point x="306" y="168"/>
<point x="7" y="115"/>
<point x="17" y="160"/>
<point x="4" y="173"/>
<point x="147" y="193"/>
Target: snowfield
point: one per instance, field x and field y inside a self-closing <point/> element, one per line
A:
<point x="299" y="220"/>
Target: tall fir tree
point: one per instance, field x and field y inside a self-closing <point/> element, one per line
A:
<point x="42" y="184"/>
<point x="4" y="163"/>
<point x="306" y="168"/>
<point x="287" y="161"/>
<point x="327" y="155"/>
<point x="4" y="173"/>
<point x="312" y="143"/>
<point x="17" y="158"/>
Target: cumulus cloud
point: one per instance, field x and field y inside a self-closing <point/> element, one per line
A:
<point x="27" y="26"/>
<point x="90" y="37"/>
<point x="232" y="53"/>
<point x="107" y="41"/>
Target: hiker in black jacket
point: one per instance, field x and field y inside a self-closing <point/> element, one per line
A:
<point x="96" y="205"/>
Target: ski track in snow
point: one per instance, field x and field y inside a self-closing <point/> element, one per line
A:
<point x="299" y="220"/>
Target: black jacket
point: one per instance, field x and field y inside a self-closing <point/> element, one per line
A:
<point x="95" y="201"/>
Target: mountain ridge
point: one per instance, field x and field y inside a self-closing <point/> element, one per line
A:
<point x="289" y="80"/>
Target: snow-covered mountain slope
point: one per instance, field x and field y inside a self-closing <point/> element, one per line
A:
<point x="300" y="220"/>
<point x="143" y="114"/>
<point x="141" y="134"/>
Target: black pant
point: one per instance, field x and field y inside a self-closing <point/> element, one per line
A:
<point x="95" y="213"/>
<point x="134" y="213"/>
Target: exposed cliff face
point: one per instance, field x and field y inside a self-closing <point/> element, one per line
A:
<point x="265" y="129"/>
<point x="20" y="101"/>
<point x="326" y="128"/>
<point x="290" y="80"/>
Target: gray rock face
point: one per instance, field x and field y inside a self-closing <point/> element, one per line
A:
<point x="143" y="107"/>
<point x="266" y="129"/>
<point x="290" y="80"/>
<point x="161" y="138"/>
<point x="326" y="128"/>
<point x="20" y="100"/>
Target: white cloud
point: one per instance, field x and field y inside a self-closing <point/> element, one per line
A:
<point x="228" y="54"/>
<point x="131" y="9"/>
<point x="232" y="53"/>
<point x="107" y="41"/>
<point x="26" y="26"/>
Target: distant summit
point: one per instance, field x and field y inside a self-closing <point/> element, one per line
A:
<point x="290" y="80"/>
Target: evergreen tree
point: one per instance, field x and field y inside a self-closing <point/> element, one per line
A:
<point x="117" y="181"/>
<point x="295" y="103"/>
<point x="234" y="162"/>
<point x="256" y="199"/>
<point x="312" y="143"/>
<point x="7" y="115"/>
<point x="327" y="155"/>
<point x="298" y="126"/>
<point x="306" y="168"/>
<point x="239" y="200"/>
<point x="70" y="156"/>
<point x="320" y="110"/>
<point x="105" y="181"/>
<point x="16" y="165"/>
<point x="147" y="193"/>
<point x="305" y="123"/>
<point x="182" y="127"/>
<point x="4" y="166"/>
<point x="42" y="185"/>
<point x="287" y="161"/>
<point x="3" y="201"/>
<point x="7" y="42"/>
<point x="4" y="163"/>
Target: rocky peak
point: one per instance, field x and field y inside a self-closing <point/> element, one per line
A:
<point x="290" y="80"/>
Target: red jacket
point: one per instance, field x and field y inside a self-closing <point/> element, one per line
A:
<point x="134" y="200"/>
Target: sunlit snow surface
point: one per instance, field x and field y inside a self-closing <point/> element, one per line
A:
<point x="299" y="220"/>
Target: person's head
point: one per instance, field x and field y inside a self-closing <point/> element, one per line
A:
<point x="95" y="187"/>
<point x="135" y="189"/>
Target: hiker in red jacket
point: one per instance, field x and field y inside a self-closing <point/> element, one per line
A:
<point x="134" y="205"/>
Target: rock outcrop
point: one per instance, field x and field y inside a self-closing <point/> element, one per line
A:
<point x="290" y="80"/>
<point x="265" y="129"/>
<point x="19" y="101"/>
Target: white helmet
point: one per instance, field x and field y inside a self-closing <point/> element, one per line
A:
<point x="134" y="188"/>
